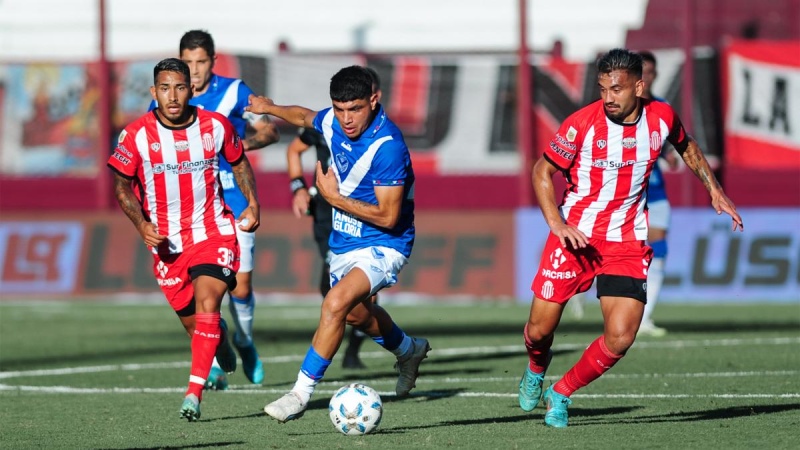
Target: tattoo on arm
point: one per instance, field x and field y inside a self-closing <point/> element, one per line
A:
<point x="243" y="173"/>
<point x="697" y="163"/>
<point x="127" y="200"/>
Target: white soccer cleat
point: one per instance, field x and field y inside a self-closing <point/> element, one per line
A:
<point x="650" y="329"/>
<point x="408" y="368"/>
<point x="286" y="408"/>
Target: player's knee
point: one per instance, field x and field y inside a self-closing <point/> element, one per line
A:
<point x="619" y="343"/>
<point x="242" y="290"/>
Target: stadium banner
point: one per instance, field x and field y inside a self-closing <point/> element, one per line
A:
<point x="456" y="256"/>
<point x="762" y="104"/>
<point x="706" y="261"/>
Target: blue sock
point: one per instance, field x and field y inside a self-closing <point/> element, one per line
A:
<point x="392" y="340"/>
<point x="314" y="366"/>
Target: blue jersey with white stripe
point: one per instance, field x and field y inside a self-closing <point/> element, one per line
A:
<point x="227" y="96"/>
<point x="379" y="157"/>
<point x="655" y="189"/>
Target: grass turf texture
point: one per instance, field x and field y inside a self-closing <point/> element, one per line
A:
<point x="112" y="376"/>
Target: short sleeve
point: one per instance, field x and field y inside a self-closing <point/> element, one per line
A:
<point x="126" y="159"/>
<point x="232" y="149"/>
<point x="677" y="134"/>
<point x="563" y="148"/>
<point x="391" y="163"/>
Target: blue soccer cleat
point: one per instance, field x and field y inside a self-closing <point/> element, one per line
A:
<point x="530" y="387"/>
<point x="217" y="380"/>
<point x="556" y="416"/>
<point x="190" y="409"/>
<point x="251" y="364"/>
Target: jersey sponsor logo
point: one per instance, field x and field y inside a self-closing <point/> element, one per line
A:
<point x="601" y="144"/>
<point x="341" y="163"/>
<point x="607" y="164"/>
<point x="162" y="269"/>
<point x="347" y="146"/>
<point x="347" y="224"/>
<point x="184" y="167"/>
<point x="121" y="158"/>
<point x="557" y="258"/>
<point x="561" y="152"/>
<point x="547" y="290"/>
<point x="123" y="150"/>
<point x="629" y="142"/>
<point x="155" y="146"/>
<point x="208" y="142"/>
<point x="572" y="133"/>
<point x="556" y="275"/>
<point x="181" y="146"/>
<point x="563" y="142"/>
<point x="174" y="281"/>
<point x="226" y="178"/>
<point x="655" y="141"/>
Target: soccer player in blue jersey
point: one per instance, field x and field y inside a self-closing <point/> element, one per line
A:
<point x="659" y="213"/>
<point x="307" y="201"/>
<point x="370" y="184"/>
<point x="228" y="96"/>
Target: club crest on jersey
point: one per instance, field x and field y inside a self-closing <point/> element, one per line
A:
<point x="341" y="163"/>
<point x="181" y="146"/>
<point x="122" y="136"/>
<point x="208" y="142"/>
<point x="629" y="142"/>
<point x="155" y="146"/>
<point x="655" y="141"/>
<point x="601" y="144"/>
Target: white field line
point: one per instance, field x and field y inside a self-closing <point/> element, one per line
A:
<point x="418" y="394"/>
<point x="456" y="351"/>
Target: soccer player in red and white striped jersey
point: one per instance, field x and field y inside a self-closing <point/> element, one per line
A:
<point x="606" y="152"/>
<point x="171" y="156"/>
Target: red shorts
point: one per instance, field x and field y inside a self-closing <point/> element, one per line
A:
<point x="621" y="269"/>
<point x="172" y="271"/>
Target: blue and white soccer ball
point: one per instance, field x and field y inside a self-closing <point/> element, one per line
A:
<point x="356" y="409"/>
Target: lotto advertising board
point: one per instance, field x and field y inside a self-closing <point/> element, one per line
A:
<point x="456" y="256"/>
<point x="706" y="261"/>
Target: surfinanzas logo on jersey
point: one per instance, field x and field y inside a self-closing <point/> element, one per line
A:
<point x="184" y="167"/>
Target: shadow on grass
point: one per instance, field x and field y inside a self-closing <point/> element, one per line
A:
<point x="684" y="416"/>
<point x="170" y="447"/>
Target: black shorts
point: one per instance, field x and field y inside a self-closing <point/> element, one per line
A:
<point x="211" y="270"/>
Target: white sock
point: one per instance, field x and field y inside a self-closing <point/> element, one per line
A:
<point x="304" y="386"/>
<point x="655" y="278"/>
<point x="404" y="349"/>
<point x="242" y="312"/>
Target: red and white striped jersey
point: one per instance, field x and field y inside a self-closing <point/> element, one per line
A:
<point x="176" y="171"/>
<point x="607" y="165"/>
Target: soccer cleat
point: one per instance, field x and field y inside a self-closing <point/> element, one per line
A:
<point x="251" y="364"/>
<point x="650" y="329"/>
<point x="226" y="357"/>
<point x="286" y="408"/>
<point x="530" y="386"/>
<point x="408" y="368"/>
<point x="190" y="409"/>
<point x="217" y="380"/>
<point x="556" y="416"/>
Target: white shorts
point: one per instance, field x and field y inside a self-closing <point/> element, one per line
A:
<point x="247" y="244"/>
<point x="380" y="264"/>
<point x="659" y="214"/>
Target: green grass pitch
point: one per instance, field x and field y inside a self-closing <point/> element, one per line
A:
<point x="95" y="375"/>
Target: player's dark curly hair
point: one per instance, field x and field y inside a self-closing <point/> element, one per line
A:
<point x="620" y="59"/>
<point x="171" y="65"/>
<point x="193" y="39"/>
<point x="351" y="83"/>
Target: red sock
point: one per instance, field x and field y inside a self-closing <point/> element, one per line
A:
<point x="537" y="355"/>
<point x="595" y="361"/>
<point x="206" y="338"/>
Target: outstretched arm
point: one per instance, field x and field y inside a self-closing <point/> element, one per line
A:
<point x="697" y="163"/>
<point x="249" y="220"/>
<point x="295" y="115"/>
<point x="265" y="132"/>
<point x="542" y="178"/>
<point x="131" y="207"/>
